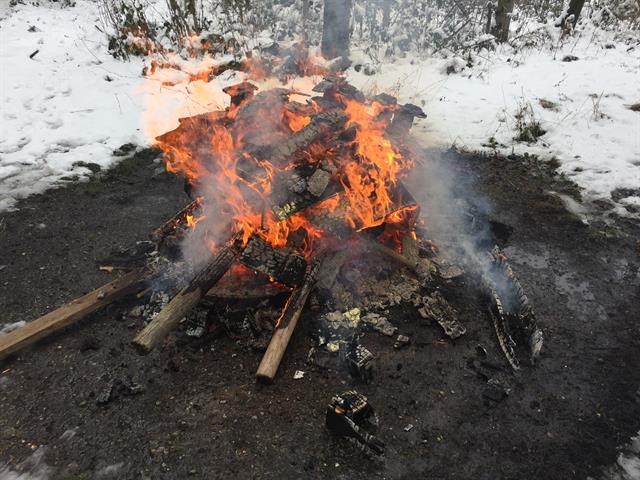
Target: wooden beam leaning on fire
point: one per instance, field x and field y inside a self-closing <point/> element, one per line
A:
<point x="287" y="323"/>
<point x="169" y="317"/>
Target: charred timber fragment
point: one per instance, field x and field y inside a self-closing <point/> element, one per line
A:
<point x="403" y="119"/>
<point x="282" y="265"/>
<point x="321" y="124"/>
<point x="176" y="223"/>
<point x="156" y="331"/>
<point x="438" y="309"/>
<point x="347" y="415"/>
<point x="294" y="191"/>
<point x="240" y="92"/>
<point x="510" y="310"/>
<point x="286" y="324"/>
<point x="334" y="87"/>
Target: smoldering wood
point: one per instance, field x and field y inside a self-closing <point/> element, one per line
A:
<point x="296" y="189"/>
<point x="175" y="223"/>
<point x="281" y="264"/>
<point x="72" y="312"/>
<point x="403" y="118"/>
<point x="234" y="288"/>
<point x="439" y="310"/>
<point x="321" y="125"/>
<point x="422" y="267"/>
<point x="282" y="335"/>
<point x="240" y="92"/>
<point x="156" y="331"/>
<point x="334" y="86"/>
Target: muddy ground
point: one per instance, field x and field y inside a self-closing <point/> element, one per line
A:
<point x="201" y="414"/>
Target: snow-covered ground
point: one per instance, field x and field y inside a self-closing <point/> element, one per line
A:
<point x="72" y="102"/>
<point x="589" y="129"/>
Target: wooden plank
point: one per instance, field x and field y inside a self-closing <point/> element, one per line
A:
<point x="71" y="312"/>
<point x="280" y="340"/>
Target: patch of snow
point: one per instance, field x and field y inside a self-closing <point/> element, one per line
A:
<point x="590" y="129"/>
<point x="72" y="102"/>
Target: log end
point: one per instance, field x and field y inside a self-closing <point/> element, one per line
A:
<point x="142" y="344"/>
<point x="268" y="368"/>
<point x="265" y="378"/>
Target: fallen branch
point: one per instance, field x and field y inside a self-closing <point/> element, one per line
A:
<point x="71" y="312"/>
<point x="155" y="332"/>
<point x="286" y="324"/>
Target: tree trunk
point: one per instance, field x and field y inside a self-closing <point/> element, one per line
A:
<point x="503" y="19"/>
<point x="386" y="20"/>
<point x="575" y="7"/>
<point x="335" y="28"/>
<point x="305" y="21"/>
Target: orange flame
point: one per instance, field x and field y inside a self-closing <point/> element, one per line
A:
<point x="217" y="153"/>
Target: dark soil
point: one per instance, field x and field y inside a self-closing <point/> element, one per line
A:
<point x="201" y="414"/>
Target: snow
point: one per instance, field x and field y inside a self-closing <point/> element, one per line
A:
<point x="72" y="102"/>
<point x="592" y="132"/>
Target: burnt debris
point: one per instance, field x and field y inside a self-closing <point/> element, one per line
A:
<point x="351" y="416"/>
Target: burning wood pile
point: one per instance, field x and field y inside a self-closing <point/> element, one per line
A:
<point x="283" y="192"/>
<point x="288" y="183"/>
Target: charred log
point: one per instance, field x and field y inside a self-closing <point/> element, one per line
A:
<point x="282" y="265"/>
<point x="511" y="309"/>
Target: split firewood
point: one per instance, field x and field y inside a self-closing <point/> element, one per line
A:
<point x="155" y="332"/>
<point x="286" y="325"/>
<point x="72" y="312"/>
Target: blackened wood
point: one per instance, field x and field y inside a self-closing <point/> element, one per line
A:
<point x="296" y="189"/>
<point x="169" y="317"/>
<point x="321" y="124"/>
<point x="287" y="324"/>
<point x="240" y="92"/>
<point x="282" y="265"/>
<point x="71" y="312"/>
<point x="403" y="118"/>
<point x="179" y="220"/>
